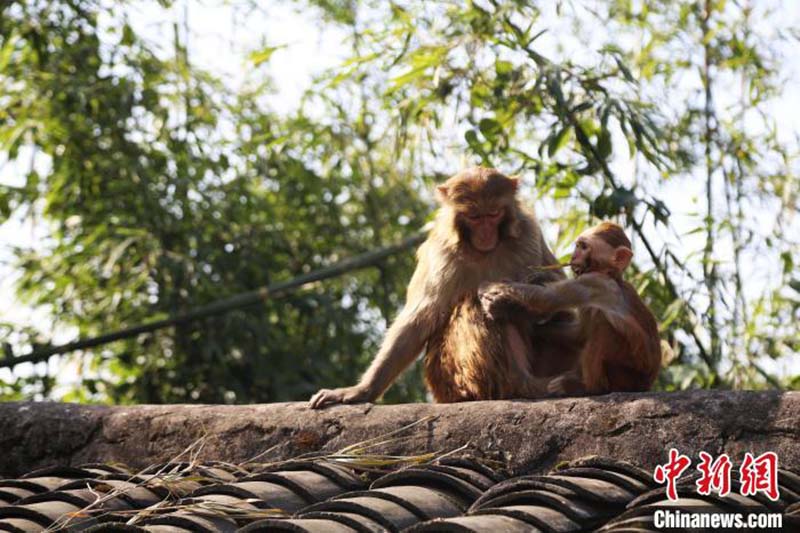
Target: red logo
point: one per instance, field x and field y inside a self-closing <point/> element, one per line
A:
<point x="757" y="474"/>
<point x="714" y="474"/>
<point x="671" y="471"/>
<point x="760" y="474"/>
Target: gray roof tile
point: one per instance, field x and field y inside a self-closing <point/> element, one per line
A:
<point x="316" y="496"/>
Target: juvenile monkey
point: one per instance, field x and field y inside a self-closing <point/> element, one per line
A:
<point x="480" y="234"/>
<point x="621" y="347"/>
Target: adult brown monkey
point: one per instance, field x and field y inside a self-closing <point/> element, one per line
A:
<point x="481" y="234"/>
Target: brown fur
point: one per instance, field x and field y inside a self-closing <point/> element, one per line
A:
<point x="467" y="356"/>
<point x="623" y="350"/>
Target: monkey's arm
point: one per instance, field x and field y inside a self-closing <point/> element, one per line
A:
<point x="543" y="277"/>
<point x="589" y="290"/>
<point x="403" y="342"/>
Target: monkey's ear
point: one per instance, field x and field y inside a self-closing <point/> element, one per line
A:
<point x="514" y="183"/>
<point x="442" y="193"/>
<point x="622" y="257"/>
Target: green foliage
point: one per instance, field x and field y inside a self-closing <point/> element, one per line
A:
<point x="735" y="149"/>
<point x="165" y="190"/>
<point x="543" y="113"/>
<point x="155" y="212"/>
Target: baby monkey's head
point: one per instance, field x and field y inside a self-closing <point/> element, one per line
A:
<point x="604" y="248"/>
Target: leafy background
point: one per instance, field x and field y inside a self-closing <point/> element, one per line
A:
<point x="156" y="185"/>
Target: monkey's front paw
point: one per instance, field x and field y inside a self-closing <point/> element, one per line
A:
<point x="557" y="386"/>
<point x="568" y="383"/>
<point x="355" y="394"/>
<point x="496" y="298"/>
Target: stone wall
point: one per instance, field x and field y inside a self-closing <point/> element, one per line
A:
<point x="526" y="435"/>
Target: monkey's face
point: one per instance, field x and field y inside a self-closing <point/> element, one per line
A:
<point x="483" y="201"/>
<point x="483" y="227"/>
<point x="593" y="254"/>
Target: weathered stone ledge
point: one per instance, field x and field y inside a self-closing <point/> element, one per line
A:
<point x="527" y="435"/>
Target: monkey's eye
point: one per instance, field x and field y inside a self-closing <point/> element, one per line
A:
<point x="493" y="214"/>
<point x="473" y="216"/>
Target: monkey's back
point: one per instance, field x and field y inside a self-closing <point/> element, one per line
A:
<point x="625" y="356"/>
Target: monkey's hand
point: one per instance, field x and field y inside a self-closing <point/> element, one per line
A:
<point x="354" y="394"/>
<point x="565" y="384"/>
<point x="497" y="298"/>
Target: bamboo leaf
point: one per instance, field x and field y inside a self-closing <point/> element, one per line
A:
<point x="264" y="55"/>
<point x="559" y="140"/>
